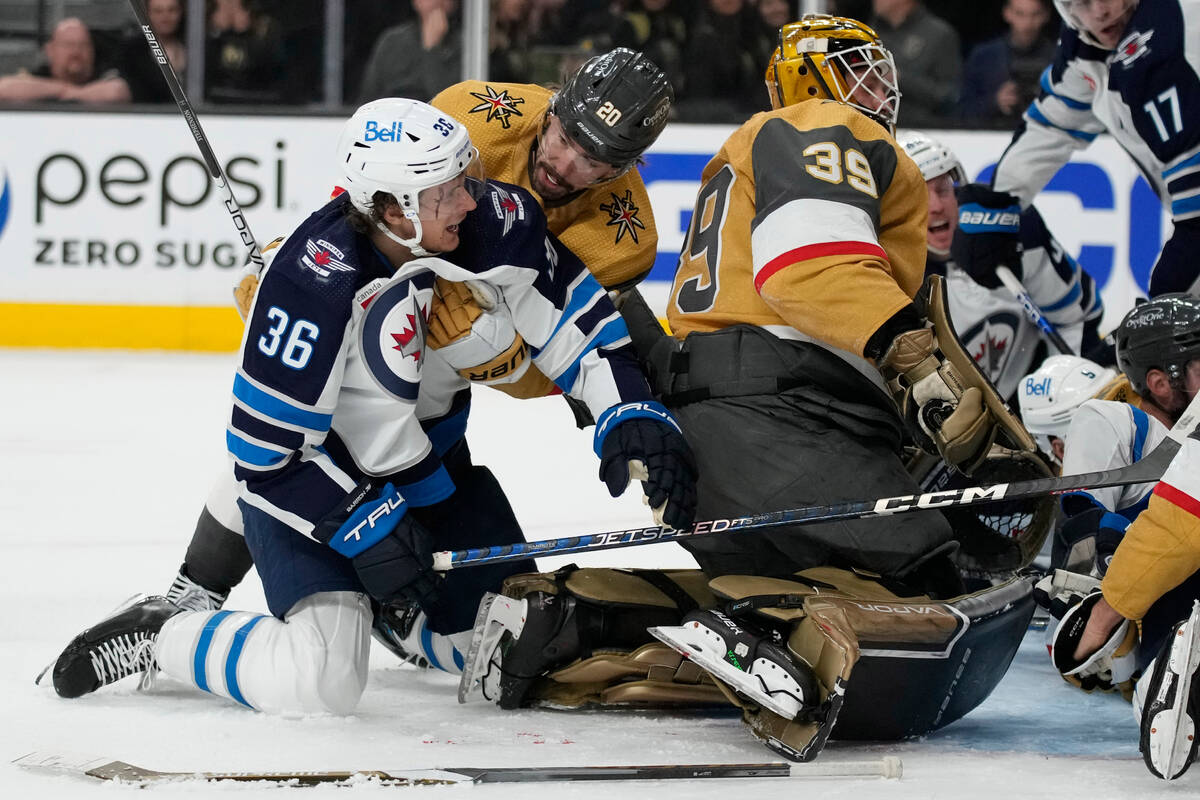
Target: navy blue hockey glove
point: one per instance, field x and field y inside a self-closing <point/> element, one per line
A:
<point x="988" y="235"/>
<point x="643" y="441"/>
<point x="391" y="551"/>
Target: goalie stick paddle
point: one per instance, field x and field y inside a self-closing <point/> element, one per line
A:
<point x="1148" y="470"/>
<point x="112" y="770"/>
<point x="189" y="115"/>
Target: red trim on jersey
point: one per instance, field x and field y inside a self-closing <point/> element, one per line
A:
<point x="1178" y="497"/>
<point x="809" y="251"/>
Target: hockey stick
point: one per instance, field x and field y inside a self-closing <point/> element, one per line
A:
<point x="1148" y="470"/>
<point x="108" y="769"/>
<point x="1014" y="285"/>
<point x="210" y="158"/>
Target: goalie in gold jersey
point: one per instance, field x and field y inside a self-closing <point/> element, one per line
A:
<point x="798" y="333"/>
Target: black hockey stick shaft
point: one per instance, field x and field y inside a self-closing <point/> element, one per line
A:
<point x="1148" y="470"/>
<point x="206" y="152"/>
<point x="1014" y="285"/>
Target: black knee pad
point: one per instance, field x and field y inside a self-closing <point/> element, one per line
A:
<point x="217" y="558"/>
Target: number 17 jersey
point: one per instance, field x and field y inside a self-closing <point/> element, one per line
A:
<point x="810" y="223"/>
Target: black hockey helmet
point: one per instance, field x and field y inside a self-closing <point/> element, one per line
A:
<point x="615" y="106"/>
<point x="1163" y="333"/>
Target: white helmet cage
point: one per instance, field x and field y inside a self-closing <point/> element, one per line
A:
<point x="401" y="146"/>
<point x="1066" y="11"/>
<point x="1050" y="395"/>
<point x="932" y="157"/>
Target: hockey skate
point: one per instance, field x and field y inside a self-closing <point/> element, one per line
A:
<point x="191" y="596"/>
<point x="1172" y="706"/>
<point x="115" y="648"/>
<point x="515" y="643"/>
<point x="748" y="661"/>
<point x="395" y="627"/>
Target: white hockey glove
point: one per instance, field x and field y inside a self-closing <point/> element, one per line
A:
<point x="472" y="328"/>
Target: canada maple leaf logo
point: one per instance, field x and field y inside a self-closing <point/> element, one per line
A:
<point x="411" y="341"/>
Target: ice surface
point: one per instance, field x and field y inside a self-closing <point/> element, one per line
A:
<point x="105" y="460"/>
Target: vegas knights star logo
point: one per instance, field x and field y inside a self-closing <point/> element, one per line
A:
<point x="624" y="215"/>
<point x="411" y="341"/>
<point x="499" y="106"/>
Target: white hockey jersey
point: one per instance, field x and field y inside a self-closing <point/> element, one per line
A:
<point x="1146" y="93"/>
<point x="1108" y="435"/>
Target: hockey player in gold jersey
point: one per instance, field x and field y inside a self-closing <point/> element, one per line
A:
<point x="798" y="333"/>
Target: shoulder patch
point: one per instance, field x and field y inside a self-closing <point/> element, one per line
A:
<point x="393" y="337"/>
<point x="323" y="258"/>
<point x="623" y="215"/>
<point x="498" y="106"/>
<point x="509" y="206"/>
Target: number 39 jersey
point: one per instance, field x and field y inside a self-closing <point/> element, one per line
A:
<point x="810" y="223"/>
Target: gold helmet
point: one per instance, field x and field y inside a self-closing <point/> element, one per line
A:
<point x="836" y="58"/>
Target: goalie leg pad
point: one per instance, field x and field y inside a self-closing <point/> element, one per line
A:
<point x="549" y="628"/>
<point x="1172" y="702"/>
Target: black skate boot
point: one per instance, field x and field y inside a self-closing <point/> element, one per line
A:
<point x="752" y="662"/>
<point x="115" y="648"/>
<point x="518" y="641"/>
<point x="393" y="628"/>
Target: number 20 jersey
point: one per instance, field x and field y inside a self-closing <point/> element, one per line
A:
<point x="810" y="222"/>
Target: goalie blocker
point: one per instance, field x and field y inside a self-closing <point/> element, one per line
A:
<point x="829" y="652"/>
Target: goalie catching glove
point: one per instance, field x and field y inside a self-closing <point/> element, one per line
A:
<point x="1111" y="667"/>
<point x="643" y="441"/>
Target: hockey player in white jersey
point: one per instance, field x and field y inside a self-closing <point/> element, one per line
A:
<point x="1129" y="68"/>
<point x="990" y="321"/>
<point x="347" y="434"/>
<point x="1050" y="395"/>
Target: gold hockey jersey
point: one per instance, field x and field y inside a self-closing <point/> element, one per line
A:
<point x="610" y="226"/>
<point x="1161" y="549"/>
<point x="810" y="222"/>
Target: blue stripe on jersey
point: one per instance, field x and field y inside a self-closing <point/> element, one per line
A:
<point x="235" y="654"/>
<point x="427" y="646"/>
<point x="446" y="433"/>
<point x="200" y="657"/>
<point x="1141" y="426"/>
<point x="275" y="408"/>
<point x="1048" y="88"/>
<point x="1036" y="115"/>
<point x="249" y="453"/>
<point x="1185" y="206"/>
<point x="1194" y="161"/>
<point x="1132" y="512"/>
<point x="614" y="331"/>
<point x="430" y="489"/>
<point x="585" y="292"/>
<point x="1070" y="298"/>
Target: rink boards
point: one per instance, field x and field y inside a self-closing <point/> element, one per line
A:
<point x="111" y="235"/>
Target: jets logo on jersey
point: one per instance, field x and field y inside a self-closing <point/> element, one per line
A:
<point x="393" y="334"/>
<point x="1132" y="47"/>
<point x="323" y="258"/>
<point x="498" y="106"/>
<point x="989" y="342"/>
<point x="623" y="214"/>
<point x="508" y="207"/>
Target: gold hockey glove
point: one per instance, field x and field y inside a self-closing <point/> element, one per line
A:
<point x="472" y="329"/>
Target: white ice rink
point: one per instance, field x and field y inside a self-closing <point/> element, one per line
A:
<point x="106" y="459"/>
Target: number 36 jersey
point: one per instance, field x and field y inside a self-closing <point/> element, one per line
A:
<point x="810" y="222"/>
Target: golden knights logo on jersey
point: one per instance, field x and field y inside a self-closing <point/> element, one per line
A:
<point x="497" y="105"/>
<point x="624" y="215"/>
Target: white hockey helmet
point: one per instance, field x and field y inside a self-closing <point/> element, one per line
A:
<point x="401" y="146"/>
<point x="932" y="157"/>
<point x="1049" y="396"/>
<point x="1066" y="10"/>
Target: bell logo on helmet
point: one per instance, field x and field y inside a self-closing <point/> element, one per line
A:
<point x="388" y="132"/>
<point x="1037" y="388"/>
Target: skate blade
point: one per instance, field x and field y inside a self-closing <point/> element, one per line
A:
<point x="684" y="639"/>
<point x="497" y="615"/>
<point x="1172" y="732"/>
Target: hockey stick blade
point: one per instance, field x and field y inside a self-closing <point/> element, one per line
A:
<point x="112" y="770"/>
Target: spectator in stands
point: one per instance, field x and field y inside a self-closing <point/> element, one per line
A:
<point x="139" y="67"/>
<point x="69" y="72"/>
<point x="418" y="58"/>
<point x="772" y="15"/>
<point x="658" y="28"/>
<point x="723" y="75"/>
<point x="1000" y="77"/>
<point x="244" y="59"/>
<point x="509" y="42"/>
<point x="928" y="58"/>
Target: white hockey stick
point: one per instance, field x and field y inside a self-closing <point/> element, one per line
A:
<point x="1014" y="285"/>
<point x="108" y="769"/>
